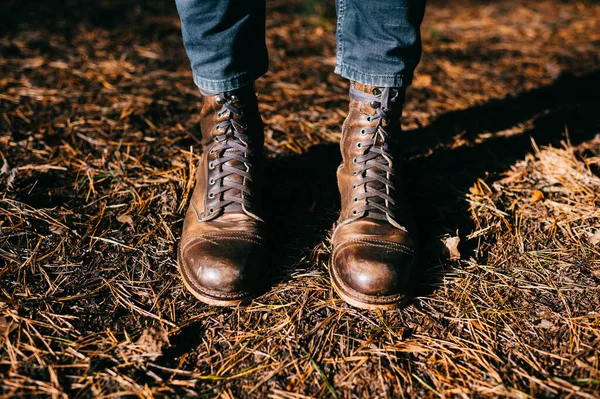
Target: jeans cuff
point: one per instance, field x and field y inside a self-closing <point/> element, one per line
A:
<point x="220" y="86"/>
<point x="400" y="80"/>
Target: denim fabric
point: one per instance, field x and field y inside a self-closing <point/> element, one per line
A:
<point x="225" y="41"/>
<point x="378" y="41"/>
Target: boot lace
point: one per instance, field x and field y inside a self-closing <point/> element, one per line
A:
<point x="375" y="165"/>
<point x="232" y="145"/>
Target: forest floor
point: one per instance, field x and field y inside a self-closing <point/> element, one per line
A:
<point x="99" y="143"/>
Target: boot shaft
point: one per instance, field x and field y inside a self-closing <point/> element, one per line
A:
<point x="229" y="175"/>
<point x="369" y="141"/>
<point x="214" y="110"/>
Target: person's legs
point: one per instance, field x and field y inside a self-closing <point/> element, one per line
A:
<point x="374" y="244"/>
<point x="221" y="254"/>
<point x="225" y="41"/>
<point x="379" y="41"/>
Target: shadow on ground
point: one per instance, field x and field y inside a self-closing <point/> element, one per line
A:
<point x="302" y="198"/>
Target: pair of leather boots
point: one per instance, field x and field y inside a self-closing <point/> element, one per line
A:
<point x="222" y="253"/>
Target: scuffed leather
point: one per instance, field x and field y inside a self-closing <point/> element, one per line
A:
<point x="222" y="256"/>
<point x="371" y="259"/>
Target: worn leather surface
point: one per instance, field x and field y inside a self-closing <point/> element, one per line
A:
<point x="222" y="251"/>
<point x="372" y="259"/>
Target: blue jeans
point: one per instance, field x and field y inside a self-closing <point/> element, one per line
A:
<point x="378" y="41"/>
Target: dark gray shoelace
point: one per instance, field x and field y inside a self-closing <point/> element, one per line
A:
<point x="375" y="165"/>
<point x="233" y="160"/>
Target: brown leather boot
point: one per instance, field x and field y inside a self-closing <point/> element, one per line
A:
<point x="222" y="250"/>
<point x="374" y="247"/>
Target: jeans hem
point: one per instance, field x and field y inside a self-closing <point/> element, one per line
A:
<point x="219" y="86"/>
<point x="399" y="80"/>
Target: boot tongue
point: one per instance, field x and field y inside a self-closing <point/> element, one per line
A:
<point x="363" y="87"/>
<point x="389" y="98"/>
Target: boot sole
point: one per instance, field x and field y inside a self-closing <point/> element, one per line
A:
<point x="351" y="296"/>
<point x="209" y="299"/>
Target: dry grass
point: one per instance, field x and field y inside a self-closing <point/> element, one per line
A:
<point x="98" y="144"/>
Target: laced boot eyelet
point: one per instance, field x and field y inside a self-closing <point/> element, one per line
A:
<point x="369" y="119"/>
<point x="211" y="210"/>
<point x="358" y="144"/>
<point x="211" y="195"/>
<point x="211" y="181"/>
<point x="211" y="165"/>
<point x="354" y="185"/>
<point x="220" y="100"/>
<point x="363" y="132"/>
<point x="376" y="91"/>
<point x="355" y="199"/>
<point x="354" y="160"/>
<point x="354" y="212"/>
<point x="375" y="104"/>
<point x="233" y="97"/>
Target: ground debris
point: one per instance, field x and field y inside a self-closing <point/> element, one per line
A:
<point x="98" y="145"/>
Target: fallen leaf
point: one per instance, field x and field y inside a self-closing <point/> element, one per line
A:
<point x="152" y="341"/>
<point x="57" y="229"/>
<point x="537" y="196"/>
<point x="4" y="325"/>
<point x="451" y="244"/>
<point x="5" y="168"/>
<point x="125" y="219"/>
<point x="545" y="323"/>
<point x="148" y="347"/>
<point x="478" y="325"/>
<point x="595" y="238"/>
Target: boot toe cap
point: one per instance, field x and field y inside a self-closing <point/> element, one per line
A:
<point x="374" y="269"/>
<point x="224" y="266"/>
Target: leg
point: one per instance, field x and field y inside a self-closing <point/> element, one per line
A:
<point x="379" y="41"/>
<point x="225" y="41"/>
<point x="221" y="254"/>
<point x="374" y="243"/>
